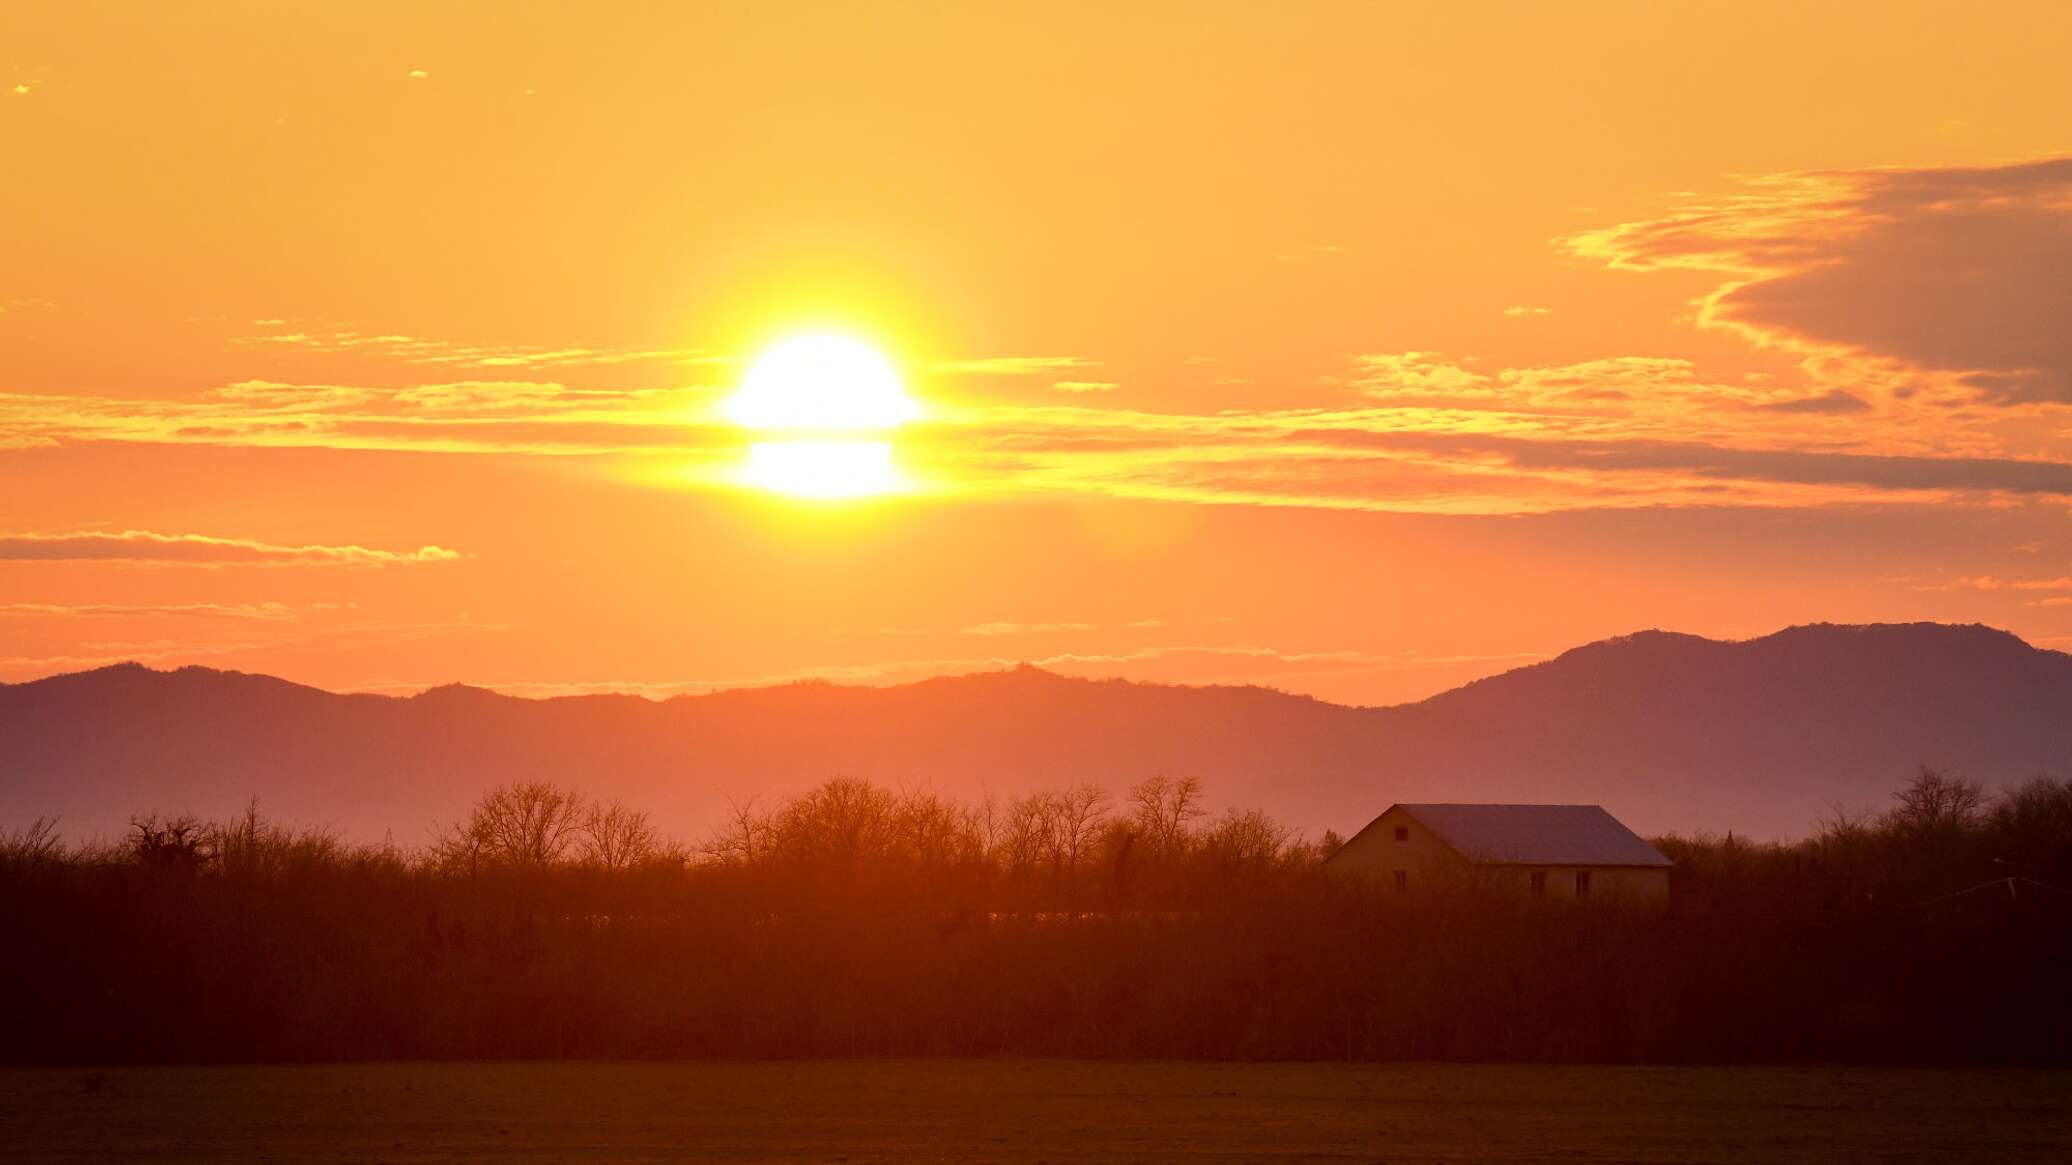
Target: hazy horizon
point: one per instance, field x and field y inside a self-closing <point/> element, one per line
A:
<point x="664" y="690"/>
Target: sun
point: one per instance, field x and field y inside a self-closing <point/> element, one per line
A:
<point x="823" y="469"/>
<point x="821" y="381"/>
<point x="827" y="403"/>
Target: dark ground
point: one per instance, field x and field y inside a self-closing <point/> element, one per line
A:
<point x="1027" y="1112"/>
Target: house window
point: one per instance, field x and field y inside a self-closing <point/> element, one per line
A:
<point x="1582" y="883"/>
<point x="1402" y="833"/>
<point x="1539" y="883"/>
<point x="1402" y="881"/>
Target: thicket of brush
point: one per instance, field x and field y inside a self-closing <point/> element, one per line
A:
<point x="858" y="921"/>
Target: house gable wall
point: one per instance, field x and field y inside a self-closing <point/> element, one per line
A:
<point x="1375" y="853"/>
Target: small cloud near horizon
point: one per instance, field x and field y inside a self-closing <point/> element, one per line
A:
<point x="1005" y="628"/>
<point x="144" y="546"/>
<point x="263" y="611"/>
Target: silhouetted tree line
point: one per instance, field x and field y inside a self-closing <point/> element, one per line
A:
<point x="857" y="920"/>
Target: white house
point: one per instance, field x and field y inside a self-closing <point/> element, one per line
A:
<point x="1552" y="852"/>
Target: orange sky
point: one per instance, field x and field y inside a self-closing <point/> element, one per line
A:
<point x="1356" y="349"/>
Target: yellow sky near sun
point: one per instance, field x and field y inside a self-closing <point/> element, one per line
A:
<point x="1248" y="337"/>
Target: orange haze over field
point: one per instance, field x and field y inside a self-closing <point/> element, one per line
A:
<point x="1355" y="349"/>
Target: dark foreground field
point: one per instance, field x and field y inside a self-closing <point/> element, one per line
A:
<point x="1045" y="1111"/>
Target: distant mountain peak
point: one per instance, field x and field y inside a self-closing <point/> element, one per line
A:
<point x="1945" y="632"/>
<point x="1919" y="632"/>
<point x="132" y="674"/>
<point x="1653" y="638"/>
<point x="456" y="693"/>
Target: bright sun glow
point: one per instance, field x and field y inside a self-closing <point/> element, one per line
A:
<point x="821" y="381"/>
<point x="823" y="469"/>
<point x="827" y="402"/>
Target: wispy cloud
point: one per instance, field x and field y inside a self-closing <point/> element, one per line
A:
<point x="994" y="629"/>
<point x="1965" y="271"/>
<point x="1013" y="365"/>
<point x="144" y="546"/>
<point x="472" y="416"/>
<point x="417" y="350"/>
<point x="1834" y="400"/>
<point x="1995" y="583"/>
<point x="269" y="612"/>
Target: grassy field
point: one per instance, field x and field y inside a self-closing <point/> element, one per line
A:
<point x="1049" y="1112"/>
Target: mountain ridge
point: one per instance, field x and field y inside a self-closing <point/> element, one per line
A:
<point x="1982" y="631"/>
<point x="1667" y="729"/>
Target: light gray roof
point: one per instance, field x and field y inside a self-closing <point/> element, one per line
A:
<point x="1536" y="835"/>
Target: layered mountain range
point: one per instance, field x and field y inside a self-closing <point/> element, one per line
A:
<point x="1670" y="732"/>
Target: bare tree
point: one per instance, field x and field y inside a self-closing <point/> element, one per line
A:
<point x="743" y="838"/>
<point x="1938" y="802"/>
<point x="1080" y="813"/>
<point x="529" y="825"/>
<point x="174" y="844"/>
<point x="840" y="822"/>
<point x="2033" y="820"/>
<point x="987" y="818"/>
<point x="1161" y="809"/>
<point x="936" y="830"/>
<point x="1843" y="826"/>
<point x="34" y="843"/>
<point x="1024" y="833"/>
<point x="1247" y="838"/>
<point x="248" y="843"/>
<point x="618" y="838"/>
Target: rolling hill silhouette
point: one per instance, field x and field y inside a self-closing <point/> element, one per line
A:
<point x="1669" y="731"/>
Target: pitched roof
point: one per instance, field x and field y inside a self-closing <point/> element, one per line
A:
<point x="1537" y="835"/>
